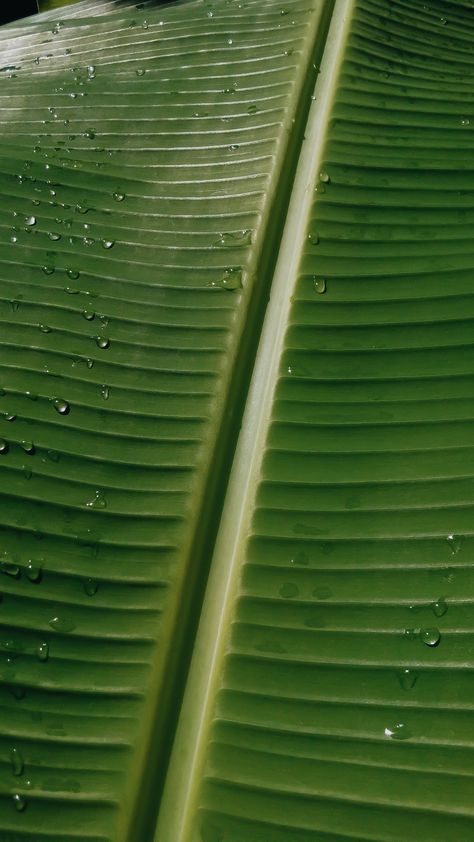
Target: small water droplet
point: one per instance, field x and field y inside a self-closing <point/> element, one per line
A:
<point x="407" y="678"/>
<point x="42" y="651"/>
<point x="411" y="634"/>
<point x="17" y="762"/>
<point x="465" y="121"/>
<point x="88" y="315"/>
<point x="61" y="624"/>
<point x="119" y="197"/>
<point x="30" y="221"/>
<point x="145" y="24"/>
<point x="20" y="802"/>
<point x="398" y="732"/>
<point x="98" y="501"/>
<point x="91" y="71"/>
<point x="430" y="637"/>
<point x="15" y="305"/>
<point x="288" y="590"/>
<point x="108" y="244"/>
<point x="48" y="270"/>
<point x="439" y="607"/>
<point x="53" y="235"/>
<point x="8" y="416"/>
<point x="90" y="587"/>
<point x="45" y="328"/>
<point x="105" y="392"/>
<point x="34" y="572"/>
<point x="324" y="177"/>
<point x="102" y="342"/>
<point x="455" y="542"/>
<point x="61" y="406"/>
<point x="313" y="239"/>
<point x="89" y="133"/>
<point x="27" y="446"/>
<point x="140" y="71"/>
<point x="233" y="147"/>
<point x="73" y="274"/>
<point x="252" y="109"/>
<point x="319" y="285"/>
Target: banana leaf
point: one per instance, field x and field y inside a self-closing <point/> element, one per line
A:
<point x="235" y="352"/>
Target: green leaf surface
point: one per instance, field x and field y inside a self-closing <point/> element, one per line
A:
<point x="141" y="152"/>
<point x="331" y="693"/>
<point x="201" y="233"/>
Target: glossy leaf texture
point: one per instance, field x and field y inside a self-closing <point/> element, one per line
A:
<point x="331" y="694"/>
<point x="146" y="156"/>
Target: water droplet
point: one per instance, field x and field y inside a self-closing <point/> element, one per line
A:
<point x="119" y="197"/>
<point x="3" y="446"/>
<point x="89" y="133"/>
<point x="439" y="607"/>
<point x="319" y="285"/>
<point x="140" y="71"/>
<point x="455" y="543"/>
<point x="30" y="220"/>
<point x="324" y="177"/>
<point x="443" y="21"/>
<point x="9" y="568"/>
<point x="252" y="109"/>
<point x="430" y="637"/>
<point x="88" y="314"/>
<point x="230" y="41"/>
<point x="53" y="235"/>
<point x="407" y="678"/>
<point x="105" y="392"/>
<point x="15" y="305"/>
<point x="61" y="406"/>
<point x="18" y="764"/>
<point x="20" y="802"/>
<point x="313" y="239"/>
<point x="48" y="270"/>
<point x="53" y="455"/>
<point x="27" y="446"/>
<point x="411" y="634"/>
<point x="210" y="14"/>
<point x="233" y="147"/>
<point x="145" y="24"/>
<point x="288" y="590"/>
<point x="398" y="732"/>
<point x="34" y="572"/>
<point x="465" y="121"/>
<point x="91" y="71"/>
<point x="27" y="473"/>
<point x="90" y="587"/>
<point x="8" y="416"/>
<point x="102" y="342"/>
<point x="98" y="501"/>
<point x="43" y="651"/>
<point x="73" y="274"/>
<point x="60" y="624"/>
<point x="88" y="241"/>
<point x="82" y="209"/>
<point x="45" y="328"/>
<point x="230" y="280"/>
<point x="108" y="244"/>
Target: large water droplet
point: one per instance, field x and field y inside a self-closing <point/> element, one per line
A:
<point x="20" y="802"/>
<point x="230" y="280"/>
<point x="399" y="731"/>
<point x="324" y="177"/>
<point x="102" y="342"/>
<point x="407" y="678"/>
<point x="439" y="607"/>
<point x="319" y="285"/>
<point x="108" y="244"/>
<point x="61" y="406"/>
<point x="43" y="651"/>
<point x="34" y="572"/>
<point x="61" y="624"/>
<point x="430" y="637"/>
<point x="30" y="221"/>
<point x="17" y="762"/>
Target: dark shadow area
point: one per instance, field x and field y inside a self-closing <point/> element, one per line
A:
<point x="18" y="9"/>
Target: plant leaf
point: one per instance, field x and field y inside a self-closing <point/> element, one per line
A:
<point x="146" y="158"/>
<point x="330" y="696"/>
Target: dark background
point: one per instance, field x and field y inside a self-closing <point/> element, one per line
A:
<point x="18" y="9"/>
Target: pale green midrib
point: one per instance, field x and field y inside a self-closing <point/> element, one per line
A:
<point x="175" y="821"/>
<point x="189" y="599"/>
